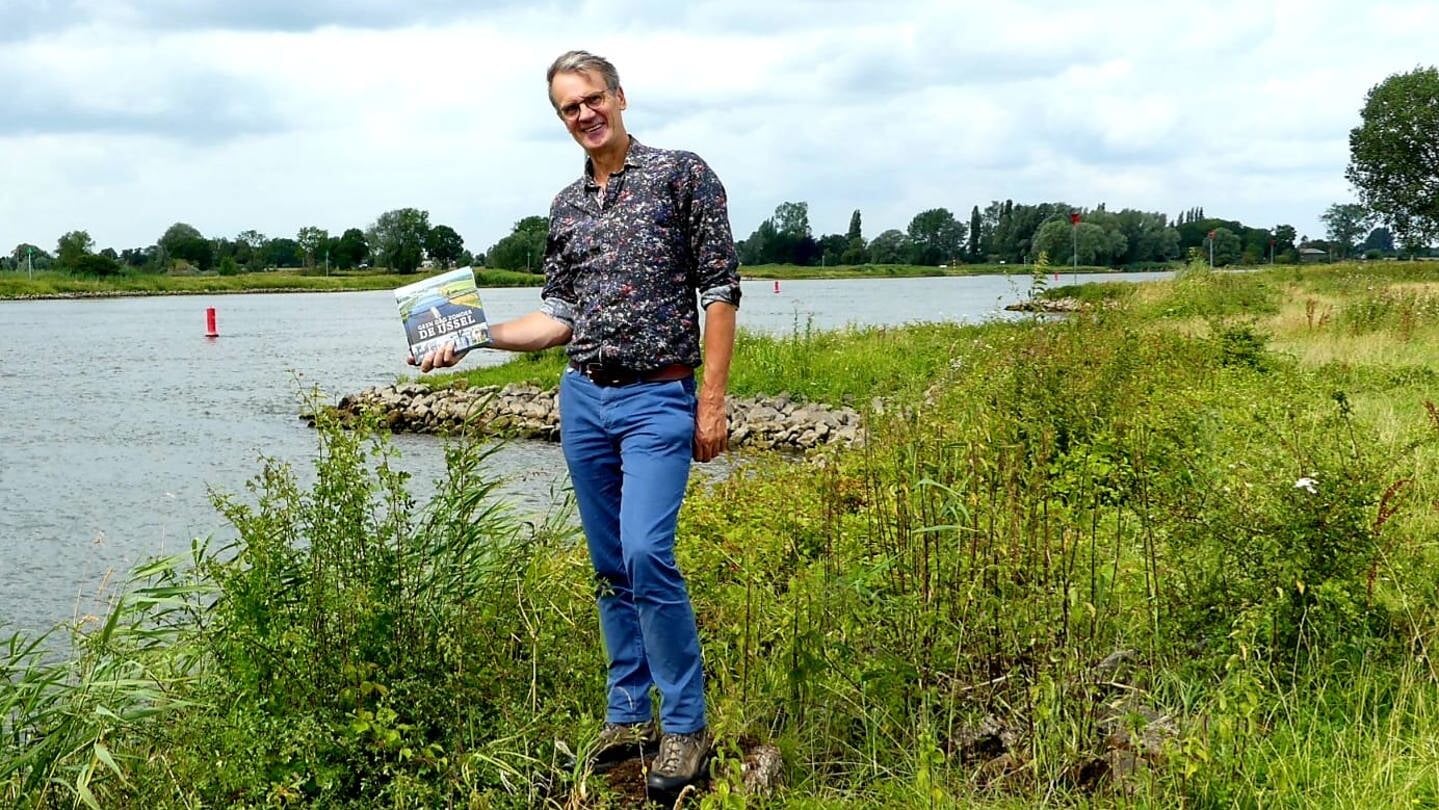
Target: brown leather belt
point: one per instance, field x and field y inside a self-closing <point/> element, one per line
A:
<point x="610" y="376"/>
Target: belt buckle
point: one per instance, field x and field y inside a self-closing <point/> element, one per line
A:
<point x="605" y="375"/>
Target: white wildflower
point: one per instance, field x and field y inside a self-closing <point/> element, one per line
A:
<point x="1307" y="484"/>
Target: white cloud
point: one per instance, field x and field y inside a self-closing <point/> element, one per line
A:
<point x="123" y="117"/>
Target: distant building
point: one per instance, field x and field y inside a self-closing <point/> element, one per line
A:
<point x="1309" y="255"/>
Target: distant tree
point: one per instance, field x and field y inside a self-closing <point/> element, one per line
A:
<point x="228" y="267"/>
<point x="311" y="240"/>
<point x="935" y="237"/>
<point x="282" y="252"/>
<point x="71" y="248"/>
<point x="890" y="247"/>
<point x="832" y="247"/>
<point x="1227" y="247"/>
<point x="397" y="238"/>
<point x="760" y="247"/>
<point x="1096" y="246"/>
<point x="855" y="230"/>
<point x="1284" y="236"/>
<point x="1393" y="161"/>
<point x="1380" y="239"/>
<point x="444" y="245"/>
<point x="137" y="257"/>
<point x="26" y="256"/>
<point x="94" y="264"/>
<point x="110" y="254"/>
<point x="182" y="241"/>
<point x="523" y="248"/>
<point x="792" y="218"/>
<point x="855" y="252"/>
<point x="350" y="249"/>
<point x="976" y="227"/>
<point x="1346" y="222"/>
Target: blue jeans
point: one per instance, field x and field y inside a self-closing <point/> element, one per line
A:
<point x="628" y="449"/>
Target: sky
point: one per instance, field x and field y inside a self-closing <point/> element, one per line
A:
<point x="121" y="117"/>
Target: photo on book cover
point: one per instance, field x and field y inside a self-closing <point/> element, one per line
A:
<point x="443" y="309"/>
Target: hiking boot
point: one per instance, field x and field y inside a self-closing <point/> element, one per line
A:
<point x="680" y="761"/>
<point x="619" y="742"/>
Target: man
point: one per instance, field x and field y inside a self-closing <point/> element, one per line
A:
<point x="632" y="244"/>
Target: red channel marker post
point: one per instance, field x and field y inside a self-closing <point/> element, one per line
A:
<point x="210" y="330"/>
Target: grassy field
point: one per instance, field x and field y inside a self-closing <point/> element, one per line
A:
<point x="790" y="271"/>
<point x="62" y="285"/>
<point x="1173" y="551"/>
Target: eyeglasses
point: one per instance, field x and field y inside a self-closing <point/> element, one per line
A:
<point x="571" y="111"/>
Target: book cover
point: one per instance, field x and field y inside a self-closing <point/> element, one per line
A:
<point x="443" y="309"/>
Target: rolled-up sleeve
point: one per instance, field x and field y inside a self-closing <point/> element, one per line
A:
<point x="712" y="242"/>
<point x="557" y="298"/>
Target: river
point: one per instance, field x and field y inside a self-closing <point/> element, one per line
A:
<point x="120" y="417"/>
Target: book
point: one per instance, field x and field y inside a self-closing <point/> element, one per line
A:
<point x="443" y="309"/>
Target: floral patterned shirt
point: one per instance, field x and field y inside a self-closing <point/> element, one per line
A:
<point x="623" y="270"/>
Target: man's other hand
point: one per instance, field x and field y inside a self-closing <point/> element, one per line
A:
<point x="443" y="357"/>
<point x="711" y="430"/>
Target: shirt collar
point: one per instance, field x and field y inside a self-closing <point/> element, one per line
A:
<point x="637" y="155"/>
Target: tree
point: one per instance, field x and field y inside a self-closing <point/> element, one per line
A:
<point x="524" y="248"/>
<point x="1380" y="239"/>
<point x="1346" y="222"/>
<point x="1096" y="245"/>
<point x="312" y="242"/>
<point x="890" y="247"/>
<point x="832" y="247"/>
<point x="1393" y="157"/>
<point x="397" y="238"/>
<point x="855" y="231"/>
<point x="1284" y="236"/>
<point x="94" y="264"/>
<point x="444" y="245"/>
<point x="182" y="241"/>
<point x="792" y="218"/>
<point x="976" y="226"/>
<point x="935" y="237"/>
<point x="1227" y="247"/>
<point x="759" y="248"/>
<point x="26" y="256"/>
<point x="72" y="248"/>
<point x="350" y="250"/>
<point x="282" y="252"/>
<point x="855" y="252"/>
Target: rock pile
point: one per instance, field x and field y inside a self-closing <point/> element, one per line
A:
<point x="530" y="412"/>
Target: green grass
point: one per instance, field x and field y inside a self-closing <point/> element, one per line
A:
<point x="53" y="285"/>
<point x="1033" y="497"/>
<point x="849" y="366"/>
<point x="790" y="271"/>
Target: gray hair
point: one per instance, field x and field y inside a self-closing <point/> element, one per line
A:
<point x="583" y="62"/>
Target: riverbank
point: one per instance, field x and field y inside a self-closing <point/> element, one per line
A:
<point x="1176" y="551"/>
<point x="788" y="271"/>
<point x="18" y="286"/>
<point x="49" y="285"/>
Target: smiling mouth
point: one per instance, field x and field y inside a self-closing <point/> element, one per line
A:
<point x="592" y="130"/>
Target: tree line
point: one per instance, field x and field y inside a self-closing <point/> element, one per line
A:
<point x="1003" y="232"/>
<point x="401" y="240"/>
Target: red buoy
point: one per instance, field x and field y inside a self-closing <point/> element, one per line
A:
<point x="776" y="286"/>
<point x="210" y="330"/>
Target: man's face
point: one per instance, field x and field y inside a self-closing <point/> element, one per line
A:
<point x="591" y="113"/>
